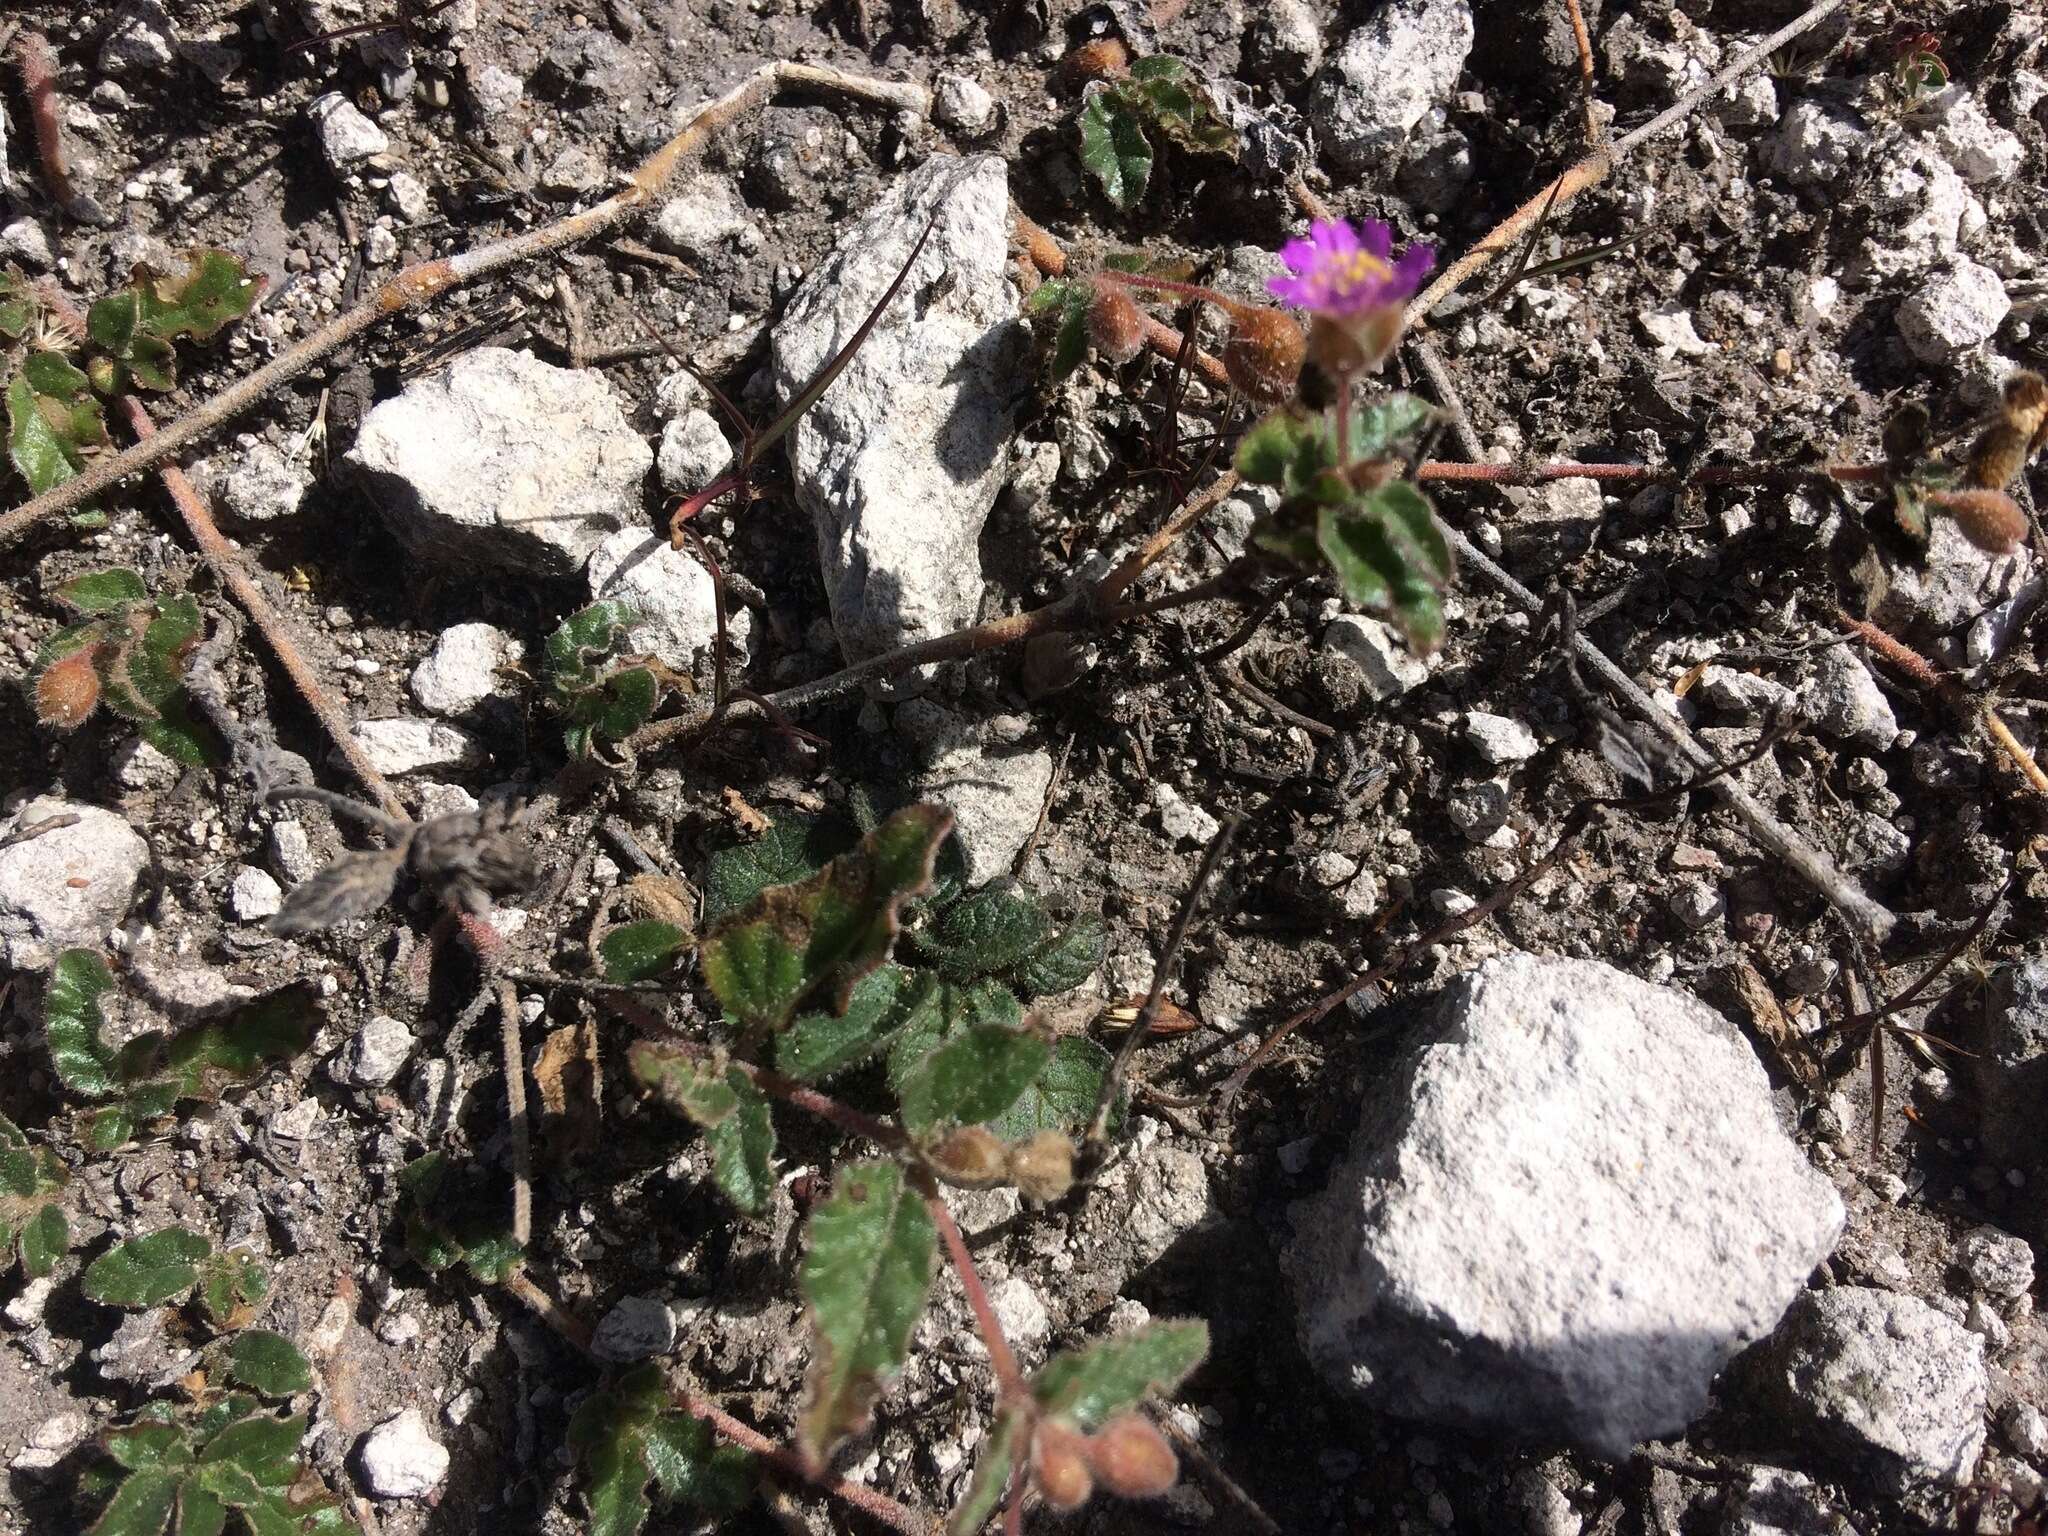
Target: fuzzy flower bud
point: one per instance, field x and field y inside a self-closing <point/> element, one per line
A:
<point x="972" y="1157"/>
<point x="1991" y="520"/>
<point x="1264" y="352"/>
<point x="68" y="690"/>
<point x="1114" y="324"/>
<point x="2021" y="431"/>
<point x="1132" y="1459"/>
<point x="1059" y="1465"/>
<point x="1101" y="58"/>
<point x="1043" y="1167"/>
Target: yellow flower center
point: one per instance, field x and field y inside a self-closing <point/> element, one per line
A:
<point x="1360" y="268"/>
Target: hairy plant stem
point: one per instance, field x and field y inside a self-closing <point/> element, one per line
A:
<point x="513" y="1051"/>
<point x="1002" y="1360"/>
<point x="1044" y="254"/>
<point x="420" y="284"/>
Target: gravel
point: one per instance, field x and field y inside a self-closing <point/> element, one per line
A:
<point x="1999" y="1264"/>
<point x="346" y="136"/>
<point x="1883" y="1379"/>
<point x="254" y="895"/>
<point x="1499" y="739"/>
<point x="693" y="452"/>
<point x="1386" y="76"/>
<point x="503" y="461"/>
<point x="705" y="220"/>
<point x="66" y="886"/>
<point x="900" y="461"/>
<point x="1474" y="1265"/>
<point x="636" y="1328"/>
<point x="401" y="746"/>
<point x="1953" y="311"/>
<point x="260" y="483"/>
<point x="374" y="1054"/>
<point x="1379" y="663"/>
<point x="401" y="1459"/>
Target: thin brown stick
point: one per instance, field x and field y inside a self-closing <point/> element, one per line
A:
<point x="1141" y="1026"/>
<point x="1584" y="42"/>
<point x="225" y="561"/>
<point x="423" y="282"/>
<point x="1148" y="554"/>
<point x="512" y="1049"/>
<point x="1594" y="167"/>
<point x="1453" y="473"/>
<point x="1009" y="1378"/>
<point x="2022" y="759"/>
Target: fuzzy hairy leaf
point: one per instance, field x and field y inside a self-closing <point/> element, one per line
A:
<point x="53" y="421"/>
<point x="19" y="305"/>
<point x="1062" y="1096"/>
<point x="822" y="935"/>
<point x="631" y="1435"/>
<point x="793" y="849"/>
<point x="987" y="931"/>
<point x="230" y="1285"/>
<point x="991" y="1472"/>
<point x="454" y="1215"/>
<point x="974" y="1076"/>
<point x="102" y="591"/>
<point x="583" y="642"/>
<point x="1092" y="1385"/>
<point x="72" y="1022"/>
<point x="732" y="1112"/>
<point x="213" y="291"/>
<point x="1114" y="149"/>
<point x="32" y="1222"/>
<point x="268" y="1363"/>
<point x="885" y="1001"/>
<point x="866" y="1276"/>
<point x="1070" y="337"/>
<point x="610" y="710"/>
<point x="1063" y="961"/>
<point x="953" y="1009"/>
<point x="640" y="951"/>
<point x="1049" y="296"/>
<point x="349" y="886"/>
<point x="141" y="1506"/>
<point x="147" y="1271"/>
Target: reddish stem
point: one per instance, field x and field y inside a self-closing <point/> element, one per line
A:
<point x="1648" y="474"/>
<point x="38" y="66"/>
<point x="1009" y="1379"/>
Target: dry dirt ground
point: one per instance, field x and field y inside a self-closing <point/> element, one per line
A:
<point x="1576" y="364"/>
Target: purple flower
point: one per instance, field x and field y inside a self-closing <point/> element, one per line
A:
<point x="1340" y="271"/>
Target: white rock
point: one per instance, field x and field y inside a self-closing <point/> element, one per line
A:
<point x="1671" y="328"/>
<point x="401" y="1460"/>
<point x="1818" y="142"/>
<point x="1770" y="1501"/>
<point x="26" y="1309"/>
<point x="1475" y="1266"/>
<point x="66" y="887"/>
<point x="960" y="104"/>
<point x="692" y="454"/>
<point x="139" y="37"/>
<point x="1285" y="41"/>
<point x="346" y="136"/>
<point x="636" y="1328"/>
<point x="1884" y="1378"/>
<point x="1696" y="902"/>
<point x="1386" y="668"/>
<point x="1500" y="740"/>
<point x="503" y="461"/>
<point x="494" y="92"/>
<point x="995" y="802"/>
<point x="1844" y="700"/>
<point x="461" y="671"/>
<point x="673" y="596"/>
<point x="900" y="461"/>
<point x="1648" y="66"/>
<point x="2026" y="1430"/>
<point x="1957" y="582"/>
<point x="1386" y="77"/>
<point x="1919" y="204"/>
<point x="1181" y="820"/>
<point x="1953" y="311"/>
<point x="254" y="895"/>
<point x="706" y="219"/>
<point x="291" y="852"/>
<point x="401" y="745"/>
<point x="27" y="242"/>
<point x="1998" y="1263"/>
<point x="573" y="172"/>
<point x="138" y="765"/>
<point x="1752" y="102"/>
<point x="258" y="483"/>
<point x="1742" y="694"/>
<point x="408" y="195"/>
<point x="1982" y="152"/>
<point x="374" y="1054"/>
<point x="1025" y="1322"/>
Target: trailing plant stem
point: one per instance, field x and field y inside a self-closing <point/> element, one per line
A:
<point x="1002" y="1361"/>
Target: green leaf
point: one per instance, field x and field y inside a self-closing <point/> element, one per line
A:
<point x="1266" y="451"/>
<point x="731" y="1110"/>
<point x="991" y="1472"/>
<point x="200" y="1510"/>
<point x="1387" y="423"/>
<point x="1049" y="296"/>
<point x="866" y="1277"/>
<point x="213" y="291"/>
<point x="455" y="1215"/>
<point x="49" y="430"/>
<point x="268" y="1363"/>
<point x="824" y="934"/>
<point x="107" y="1129"/>
<point x="259" y="1445"/>
<point x="1159" y="67"/>
<point x="229" y="1282"/>
<point x="1063" y="961"/>
<point x="1070" y="340"/>
<point x="640" y="951"/>
<point x="147" y="1271"/>
<point x="141" y="1506"/>
<point x="972" y="1077"/>
<point x="984" y="1004"/>
<point x="1093" y="1385"/>
<point x="612" y="710"/>
<point x="986" y="931"/>
<point x="586" y="638"/>
<point x="19" y="305"/>
<point x="150" y="1443"/>
<point x="72" y="1022"/>
<point x="102" y="591"/>
<point x="1362" y="555"/>
<point x="1114" y="149"/>
<point x="1407" y="515"/>
<point x="631" y="1434"/>
<point x="793" y="849"/>
<point x="44" y="1239"/>
<point x="818" y="1045"/>
<point x="1062" y="1097"/>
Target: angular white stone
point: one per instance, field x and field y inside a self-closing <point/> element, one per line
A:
<point x="673" y="595"/>
<point x="67" y="886"/>
<point x="407" y="746"/>
<point x="1386" y="77"/>
<point x="401" y="1459"/>
<point x="346" y="136"/>
<point x="461" y="671"/>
